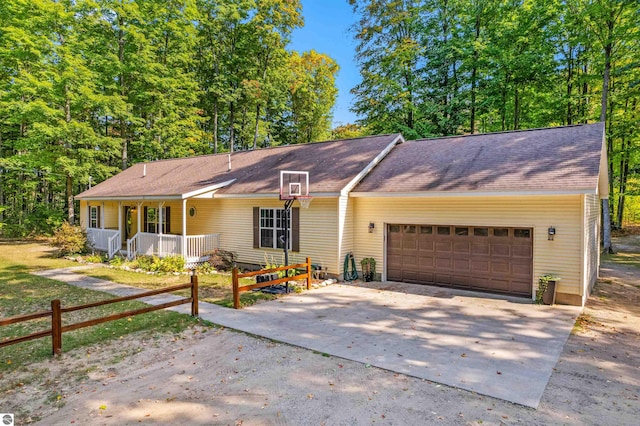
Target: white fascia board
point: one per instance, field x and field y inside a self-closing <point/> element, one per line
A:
<point x="276" y="195"/>
<point x="433" y="194"/>
<point x="211" y="188"/>
<point x="356" y="180"/>
<point x="133" y="198"/>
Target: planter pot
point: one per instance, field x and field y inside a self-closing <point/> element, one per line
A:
<point x="549" y="295"/>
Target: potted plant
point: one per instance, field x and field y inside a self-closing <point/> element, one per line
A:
<point x="546" y="293"/>
<point x="368" y="268"/>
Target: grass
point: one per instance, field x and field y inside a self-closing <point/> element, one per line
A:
<point x="623" y="258"/>
<point x="24" y="293"/>
<point x="212" y="288"/>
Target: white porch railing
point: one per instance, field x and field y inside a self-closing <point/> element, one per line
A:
<point x="170" y="245"/>
<point x="100" y="238"/>
<point x="114" y="244"/>
<point x="199" y="245"/>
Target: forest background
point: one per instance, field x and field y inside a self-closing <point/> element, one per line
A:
<point x="90" y="87"/>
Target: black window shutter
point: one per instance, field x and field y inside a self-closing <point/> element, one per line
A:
<point x="88" y="216"/>
<point x="144" y="229"/>
<point x="256" y="227"/>
<point x="167" y="228"/>
<point x="99" y="224"/>
<point x="295" y="229"/>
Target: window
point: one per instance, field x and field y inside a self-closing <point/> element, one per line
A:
<point x="444" y="230"/>
<point x="272" y="228"/>
<point x="394" y="228"/>
<point x="522" y="233"/>
<point x="462" y="231"/>
<point x="426" y="229"/>
<point x="152" y="220"/>
<point x="501" y="232"/>
<point x="480" y="232"/>
<point x="94" y="217"/>
<point x="409" y="229"/>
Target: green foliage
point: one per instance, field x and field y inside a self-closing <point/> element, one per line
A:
<point x="172" y="264"/>
<point x="368" y="268"/>
<point x="69" y="240"/>
<point x="543" y="283"/>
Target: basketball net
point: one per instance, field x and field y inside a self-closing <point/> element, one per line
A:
<point x="304" y="201"/>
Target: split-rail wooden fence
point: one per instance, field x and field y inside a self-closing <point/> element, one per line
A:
<point x="57" y="310"/>
<point x="237" y="289"/>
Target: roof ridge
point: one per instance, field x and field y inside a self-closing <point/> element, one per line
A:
<point x="506" y="132"/>
<point x="268" y="148"/>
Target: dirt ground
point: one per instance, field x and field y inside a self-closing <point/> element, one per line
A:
<point x="218" y="376"/>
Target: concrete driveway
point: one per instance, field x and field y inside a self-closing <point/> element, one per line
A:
<point x="499" y="346"/>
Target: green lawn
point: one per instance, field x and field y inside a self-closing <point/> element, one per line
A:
<point x="212" y="288"/>
<point x="23" y="293"/>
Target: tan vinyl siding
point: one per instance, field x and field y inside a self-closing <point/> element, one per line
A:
<point x="233" y="220"/>
<point x="592" y="241"/>
<point x="564" y="212"/>
<point x="110" y="214"/>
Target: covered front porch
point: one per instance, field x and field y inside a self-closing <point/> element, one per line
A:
<point x="134" y="228"/>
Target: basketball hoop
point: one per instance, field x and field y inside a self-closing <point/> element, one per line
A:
<point x="304" y="201"/>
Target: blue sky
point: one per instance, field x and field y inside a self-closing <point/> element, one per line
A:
<point x="326" y="30"/>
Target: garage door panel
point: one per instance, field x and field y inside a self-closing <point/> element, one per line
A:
<point x="462" y="247"/>
<point x="426" y="262"/>
<point x="480" y="258"/>
<point x="461" y="265"/>
<point x="502" y="250"/>
<point x="480" y="266"/>
<point x="426" y="245"/>
<point x="426" y="277"/>
<point x="444" y="246"/>
<point x="523" y="251"/>
<point x="480" y="249"/>
<point x="443" y="263"/>
<point x="444" y="279"/>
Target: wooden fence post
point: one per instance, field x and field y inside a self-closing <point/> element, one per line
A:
<point x="236" y="290"/>
<point x="194" y="295"/>
<point x="56" y="327"/>
<point x="308" y="273"/>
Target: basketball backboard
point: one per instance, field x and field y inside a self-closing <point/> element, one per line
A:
<point x="294" y="185"/>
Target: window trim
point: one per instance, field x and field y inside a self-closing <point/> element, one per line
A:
<point x="166" y="220"/>
<point x="95" y="219"/>
<point x="294" y="229"/>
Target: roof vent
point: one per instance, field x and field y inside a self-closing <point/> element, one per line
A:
<point x="144" y="170"/>
<point x="229" y="163"/>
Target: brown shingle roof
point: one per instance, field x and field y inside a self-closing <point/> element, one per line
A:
<point x="331" y="166"/>
<point x="554" y="159"/>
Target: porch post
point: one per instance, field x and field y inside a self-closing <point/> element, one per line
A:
<point x="102" y="215"/>
<point x="120" y="222"/>
<point x="139" y="217"/>
<point x="184" y="229"/>
<point x="160" y="248"/>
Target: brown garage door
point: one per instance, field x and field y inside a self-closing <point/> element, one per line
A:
<point x="494" y="259"/>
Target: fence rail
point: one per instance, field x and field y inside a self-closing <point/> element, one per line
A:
<point x="57" y="310"/>
<point x="237" y="289"/>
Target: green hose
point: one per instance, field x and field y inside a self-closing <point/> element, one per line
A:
<point x="353" y="274"/>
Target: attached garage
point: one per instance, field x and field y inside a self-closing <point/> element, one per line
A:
<point x="475" y="212"/>
<point x="495" y="259"/>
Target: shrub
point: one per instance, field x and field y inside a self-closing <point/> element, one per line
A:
<point x="95" y="258"/>
<point x="117" y="261"/>
<point x="69" y="240"/>
<point x="222" y="260"/>
<point x="172" y="264"/>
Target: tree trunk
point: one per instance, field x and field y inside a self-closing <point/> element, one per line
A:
<point x="215" y="126"/>
<point x="232" y="140"/>
<point x="255" y="132"/>
<point x="606" y="225"/>
<point x="70" y="208"/>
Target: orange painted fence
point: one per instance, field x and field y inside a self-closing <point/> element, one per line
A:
<point x="237" y="289"/>
<point x="57" y="310"/>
